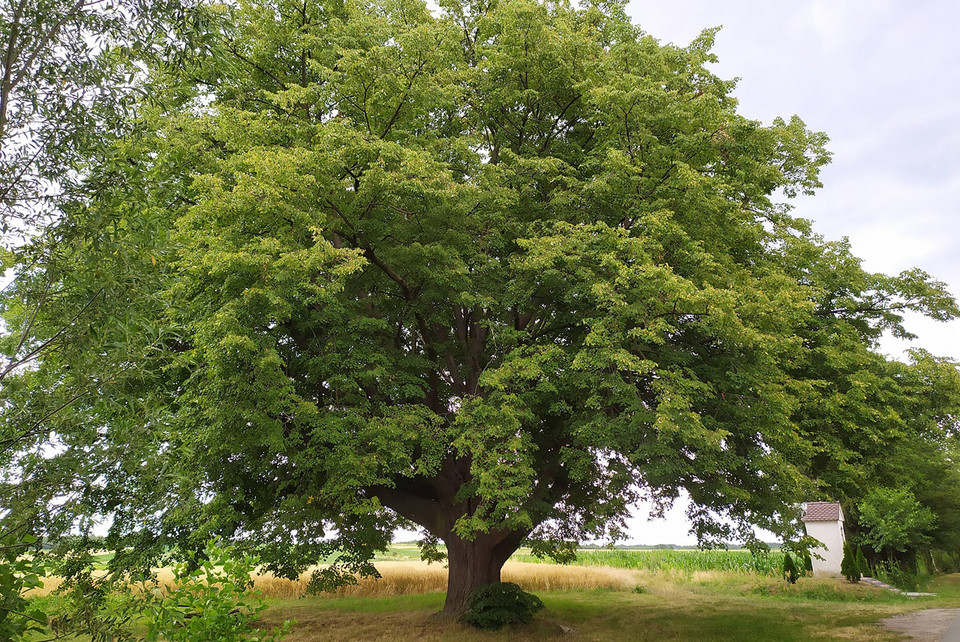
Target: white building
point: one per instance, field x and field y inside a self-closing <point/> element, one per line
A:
<point x="824" y="521"/>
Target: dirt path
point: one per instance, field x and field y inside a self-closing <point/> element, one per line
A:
<point x="923" y="626"/>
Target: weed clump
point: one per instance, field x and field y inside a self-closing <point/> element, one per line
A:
<point x="497" y="605"/>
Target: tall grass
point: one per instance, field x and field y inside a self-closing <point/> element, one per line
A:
<point x="742" y="561"/>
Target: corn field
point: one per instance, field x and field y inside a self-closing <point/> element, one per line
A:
<point x="742" y="561"/>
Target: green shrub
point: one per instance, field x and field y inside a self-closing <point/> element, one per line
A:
<point x="848" y="567"/>
<point x="494" y="606"/>
<point x="211" y="600"/>
<point x="92" y="605"/>
<point x="895" y="574"/>
<point x="211" y="603"/>
<point x="944" y="561"/>
<point x="862" y="565"/>
<point x="790" y="571"/>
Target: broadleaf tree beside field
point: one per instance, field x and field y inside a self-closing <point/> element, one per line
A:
<point x="497" y="271"/>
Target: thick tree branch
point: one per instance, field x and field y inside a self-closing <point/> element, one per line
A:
<point x="417" y="508"/>
<point x="232" y="49"/>
<point x="553" y="129"/>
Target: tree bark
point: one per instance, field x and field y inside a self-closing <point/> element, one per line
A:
<point x="475" y="563"/>
<point x="471" y="563"/>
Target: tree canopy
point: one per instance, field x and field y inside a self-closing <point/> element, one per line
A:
<point x="498" y="270"/>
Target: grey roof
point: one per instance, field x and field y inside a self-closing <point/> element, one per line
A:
<point x="823" y="512"/>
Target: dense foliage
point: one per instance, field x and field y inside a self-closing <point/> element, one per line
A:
<point x="498" y="271"/>
<point x="862" y="562"/>
<point x="71" y="79"/>
<point x="211" y="603"/>
<point x="893" y="519"/>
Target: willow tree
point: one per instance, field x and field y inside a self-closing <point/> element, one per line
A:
<point x="68" y="89"/>
<point x="498" y="270"/>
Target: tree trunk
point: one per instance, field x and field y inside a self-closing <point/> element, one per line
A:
<point x="473" y="564"/>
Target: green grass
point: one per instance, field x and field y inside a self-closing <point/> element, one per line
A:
<point x="399" y="552"/>
<point x="384" y="604"/>
<point x="702" y="611"/>
<point x="705" y="611"/>
<point x="947" y="588"/>
<point x="100" y="560"/>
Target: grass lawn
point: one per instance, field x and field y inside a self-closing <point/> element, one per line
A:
<point x="708" y="606"/>
<point x="600" y="603"/>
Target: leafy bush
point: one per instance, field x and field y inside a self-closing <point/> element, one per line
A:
<point x="944" y="561"/>
<point x="211" y="603"/>
<point x="98" y="606"/>
<point x="210" y="600"/>
<point x="494" y="606"/>
<point x="895" y="574"/>
<point x="18" y="572"/>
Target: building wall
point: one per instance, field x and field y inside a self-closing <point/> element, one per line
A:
<point x="831" y="534"/>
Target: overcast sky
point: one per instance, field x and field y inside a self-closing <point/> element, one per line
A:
<point x="882" y="79"/>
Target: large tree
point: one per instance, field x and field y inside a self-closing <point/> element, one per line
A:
<point x="498" y="272"/>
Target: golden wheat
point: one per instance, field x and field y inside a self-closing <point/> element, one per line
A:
<point x="406" y="578"/>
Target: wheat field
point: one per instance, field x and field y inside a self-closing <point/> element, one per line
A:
<point x="406" y="578"/>
<point x="415" y="577"/>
